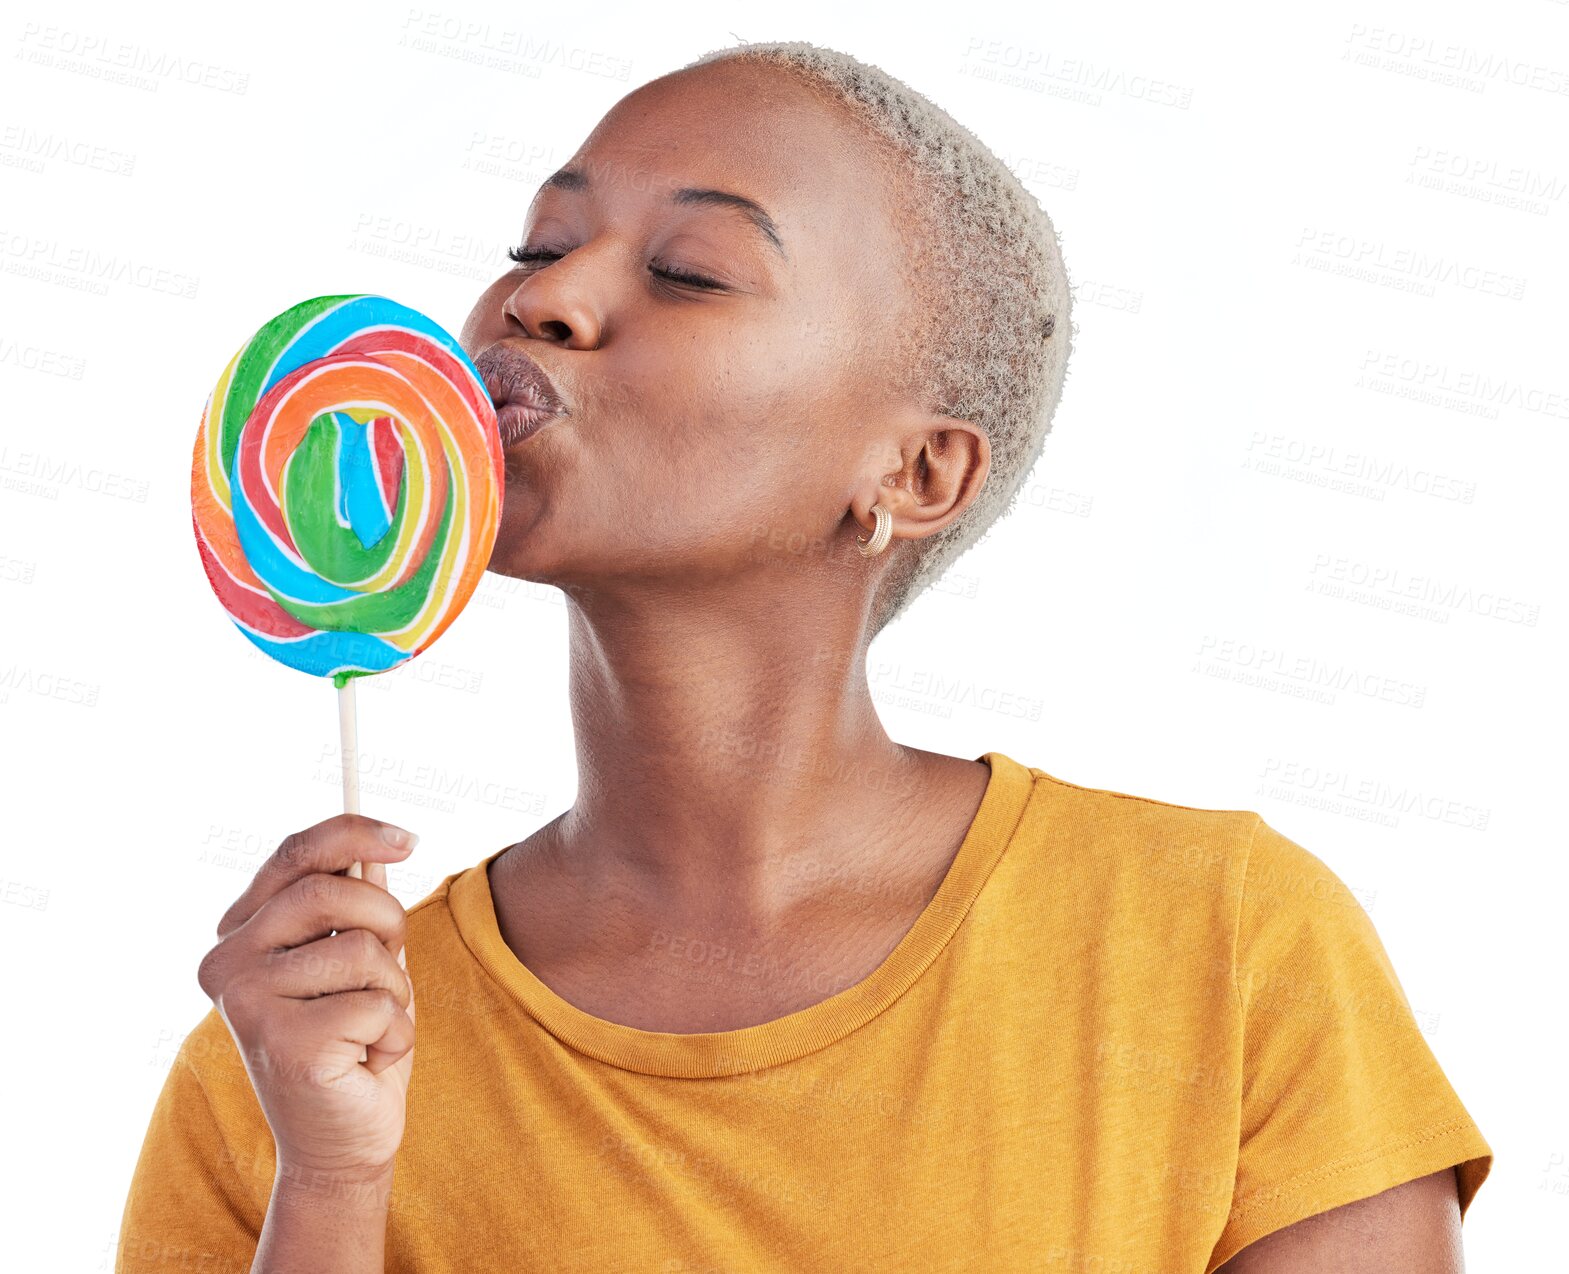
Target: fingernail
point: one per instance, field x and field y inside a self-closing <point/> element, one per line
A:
<point x="398" y="838"/>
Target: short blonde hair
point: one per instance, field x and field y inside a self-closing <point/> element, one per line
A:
<point x="990" y="323"/>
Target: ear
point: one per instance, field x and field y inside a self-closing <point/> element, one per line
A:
<point x="925" y="470"/>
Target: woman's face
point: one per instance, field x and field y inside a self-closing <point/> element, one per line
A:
<point x="712" y="432"/>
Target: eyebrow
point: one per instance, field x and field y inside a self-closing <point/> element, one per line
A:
<point x="575" y="180"/>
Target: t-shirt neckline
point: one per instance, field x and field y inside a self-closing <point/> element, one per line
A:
<point x="716" y="1053"/>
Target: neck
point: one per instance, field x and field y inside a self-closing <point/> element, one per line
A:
<point x="727" y="758"/>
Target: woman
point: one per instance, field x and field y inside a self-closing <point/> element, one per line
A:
<point x="777" y="993"/>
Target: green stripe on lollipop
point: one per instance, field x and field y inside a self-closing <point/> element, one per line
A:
<point x="388" y="611"/>
<point x="251" y="374"/>
<point x="311" y="481"/>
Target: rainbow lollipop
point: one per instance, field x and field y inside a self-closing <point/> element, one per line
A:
<point x="346" y="489"/>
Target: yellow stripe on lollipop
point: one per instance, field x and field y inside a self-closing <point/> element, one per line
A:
<point x="435" y="603"/>
<point x="411" y="634"/>
<point x="456" y="415"/>
<point x="450" y="407"/>
<point x="217" y="479"/>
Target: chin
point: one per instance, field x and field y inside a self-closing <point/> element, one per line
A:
<point x="523" y="546"/>
<point x="514" y="551"/>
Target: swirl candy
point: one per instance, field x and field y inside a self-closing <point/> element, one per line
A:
<point x="346" y="485"/>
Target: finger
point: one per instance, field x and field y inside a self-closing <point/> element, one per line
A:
<point x="353" y="960"/>
<point x="316" y="907"/>
<point x="392" y="1047"/>
<point x="381" y="1055"/>
<point x="365" y="1019"/>
<point x="330" y="846"/>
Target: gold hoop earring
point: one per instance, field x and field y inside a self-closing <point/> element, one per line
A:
<point x="881" y="534"/>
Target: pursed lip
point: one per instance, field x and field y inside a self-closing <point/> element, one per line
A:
<point x="525" y="397"/>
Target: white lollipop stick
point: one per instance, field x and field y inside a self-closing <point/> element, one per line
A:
<point x="348" y="749"/>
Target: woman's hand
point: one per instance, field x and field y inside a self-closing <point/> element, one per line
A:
<point x="309" y="976"/>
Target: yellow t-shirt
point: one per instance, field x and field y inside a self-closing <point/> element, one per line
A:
<point x="1125" y="1037"/>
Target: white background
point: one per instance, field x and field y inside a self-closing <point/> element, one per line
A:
<point x="1295" y="544"/>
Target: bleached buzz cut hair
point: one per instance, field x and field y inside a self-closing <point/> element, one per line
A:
<point x="989" y="323"/>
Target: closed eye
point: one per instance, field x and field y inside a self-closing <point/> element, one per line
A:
<point x="534" y="256"/>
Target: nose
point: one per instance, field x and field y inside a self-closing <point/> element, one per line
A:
<point x="554" y="304"/>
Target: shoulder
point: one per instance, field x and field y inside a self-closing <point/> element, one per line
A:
<point x="1147" y="841"/>
<point x="430" y="913"/>
<point x="1254" y="893"/>
<point x="1114" y="806"/>
<point x="1152" y="885"/>
<point x="209" y="1061"/>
